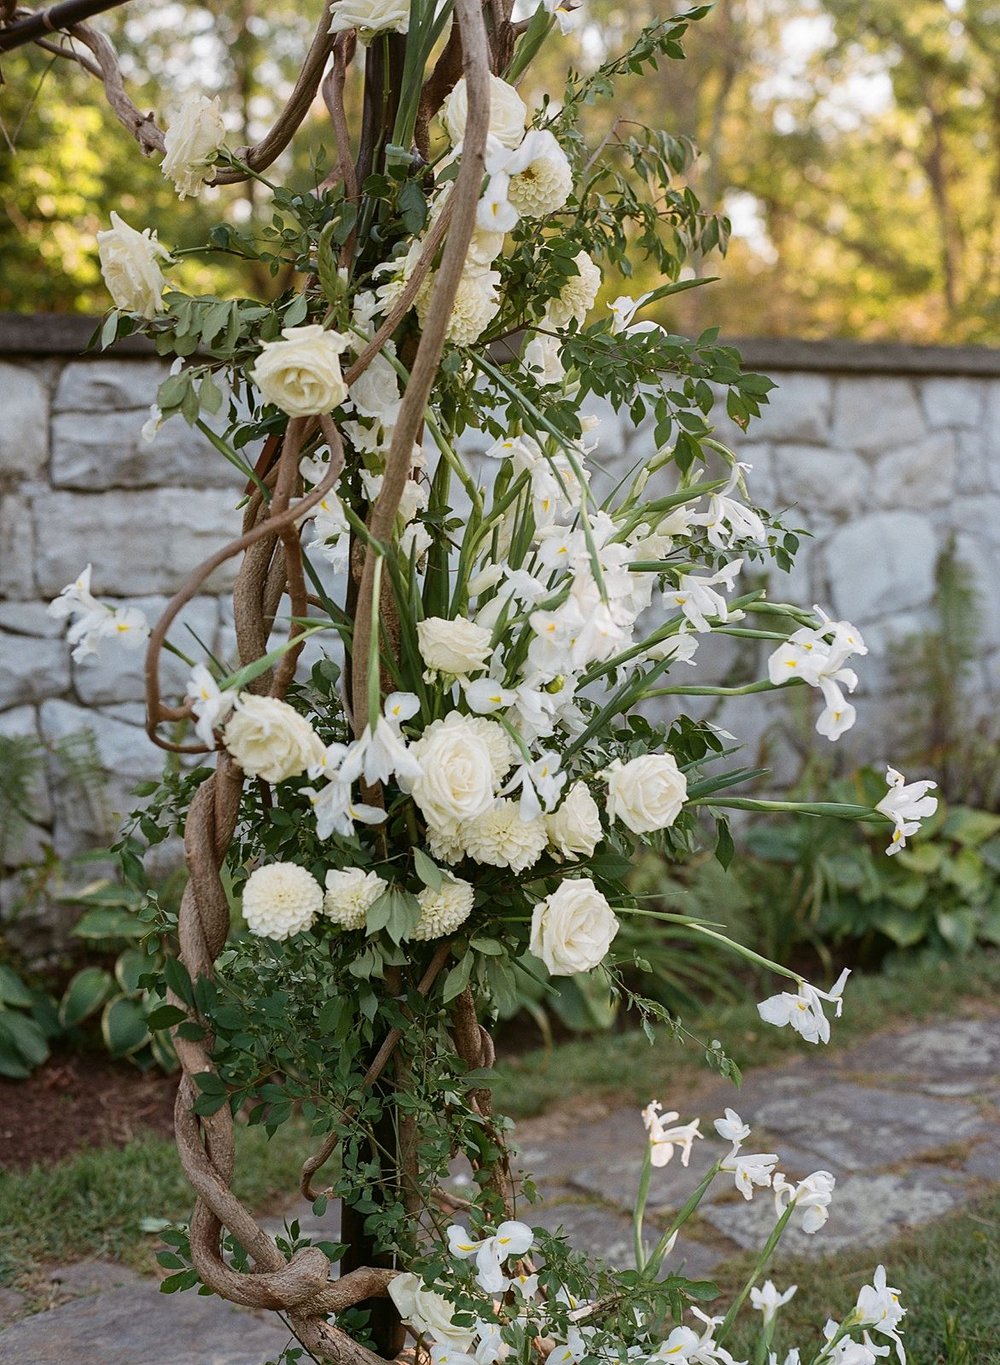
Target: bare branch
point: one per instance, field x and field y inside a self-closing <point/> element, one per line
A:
<point x="29" y="27"/>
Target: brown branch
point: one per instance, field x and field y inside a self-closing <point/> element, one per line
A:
<point x="142" y="127"/>
<point x="332" y="90"/>
<point x="464" y="200"/>
<point x="32" y="26"/>
<point x="156" y="711"/>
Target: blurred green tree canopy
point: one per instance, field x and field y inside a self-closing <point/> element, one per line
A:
<point x="855" y="144"/>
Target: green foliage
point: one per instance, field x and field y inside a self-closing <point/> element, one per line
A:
<point x="27" y="1024"/>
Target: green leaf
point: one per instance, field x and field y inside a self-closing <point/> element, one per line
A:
<point x="23" y="1037"/>
<point x="724" y="847"/>
<point x="164" y="1016"/>
<point x="13" y="991"/>
<point x="107" y="921"/>
<point x="123" y="1025"/>
<point x="427" y="870"/>
<point x="458" y="978"/>
<point x="109" y="332"/>
<point x="131" y="966"/>
<point x="87" y="992"/>
<point x="296" y="311"/>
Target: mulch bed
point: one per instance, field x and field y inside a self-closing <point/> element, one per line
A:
<point x="78" y="1101"/>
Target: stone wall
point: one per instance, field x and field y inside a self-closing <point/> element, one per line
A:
<point x="882" y="453"/>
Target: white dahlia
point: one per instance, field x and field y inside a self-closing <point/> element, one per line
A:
<point x="541" y="185"/>
<point x="501" y="838"/>
<point x="350" y="893"/>
<point x="280" y="900"/>
<point x="578" y="294"/>
<point x="442" y="911"/>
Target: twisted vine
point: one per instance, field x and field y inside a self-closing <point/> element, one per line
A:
<point x="271" y="567"/>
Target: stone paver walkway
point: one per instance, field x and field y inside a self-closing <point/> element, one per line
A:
<point x="908" y="1122"/>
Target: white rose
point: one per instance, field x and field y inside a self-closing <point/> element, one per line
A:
<point x="191" y="142"/>
<point x="646" y="794"/>
<point x="571" y="930"/>
<point x="428" y="1312"/>
<point x="130" y="269"/>
<point x="269" y="739"/>
<point x="280" y="900"/>
<point x="508" y="113"/>
<point x="457" y="646"/>
<point x="370" y="17"/>
<point x="575" y="827"/>
<point x="456" y="777"/>
<point x="301" y="374"/>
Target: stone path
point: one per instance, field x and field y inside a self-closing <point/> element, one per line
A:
<point x="908" y="1122"/>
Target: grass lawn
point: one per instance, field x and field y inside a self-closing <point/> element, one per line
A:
<point x="948" y="1274"/>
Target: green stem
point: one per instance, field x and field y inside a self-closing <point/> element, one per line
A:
<point x="640" y="1207"/>
<point x="755" y="1274"/>
<point x="660" y="1250"/>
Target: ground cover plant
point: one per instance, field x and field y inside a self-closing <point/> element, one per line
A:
<point x="453" y="795"/>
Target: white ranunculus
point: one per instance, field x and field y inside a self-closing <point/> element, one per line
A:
<point x="572" y="929"/>
<point x="129" y="264"/>
<point x="647" y="793"/>
<point x="508" y="113"/>
<point x="301" y="374"/>
<point x="280" y="900"/>
<point x="269" y="739"/>
<point x="575" y="827"/>
<point x="428" y="1312"/>
<point x="456" y="781"/>
<point x="370" y="17"/>
<point x="191" y="143"/>
<point x="578" y="294"/>
<point x="457" y="646"/>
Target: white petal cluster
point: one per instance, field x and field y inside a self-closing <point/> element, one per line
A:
<point x="92" y="622"/>
<point x="510" y="1239"/>
<point x="477" y="302"/>
<point x="130" y="264"/>
<point x="905" y="804"/>
<point x="811" y="1198"/>
<point x="572" y="929"/>
<point x="350" y="893"/>
<point x="540" y="176"/>
<point x="457" y="645"/>
<point x="501" y="838"/>
<point x="444" y="910"/>
<point x="280" y="900"/>
<point x="818" y="657"/>
<point x="370" y="17"/>
<point x="269" y="739"/>
<point x="578" y="294"/>
<point x="647" y="793"/>
<point x="191" y="142"/>
<point x="428" y="1313"/>
<point x="663" y="1137"/>
<point x="574" y="828"/>
<point x="508" y="113"/>
<point x="301" y="373"/>
<point x="210" y="705"/>
<point x="804" y="1010"/>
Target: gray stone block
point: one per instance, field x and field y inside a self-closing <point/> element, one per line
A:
<point x="797" y="410"/>
<point x="138" y="542"/>
<point x="954" y="1050"/>
<point x="860" y="1128"/>
<point x="919" y="475"/>
<point x="98" y="450"/>
<point x="953" y="401"/>
<point x="137" y="1325"/>
<point x="89" y="812"/>
<point x="875" y="414"/>
<point x="17" y="547"/>
<point x="24" y="428"/>
<point x="881" y="564"/>
<point x="866" y="1211"/>
<point x="31" y="618"/>
<point x="818" y="480"/>
<point x="31" y="669"/>
<point x="106" y="385"/>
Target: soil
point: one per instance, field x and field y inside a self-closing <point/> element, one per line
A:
<point x="78" y="1101"/>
